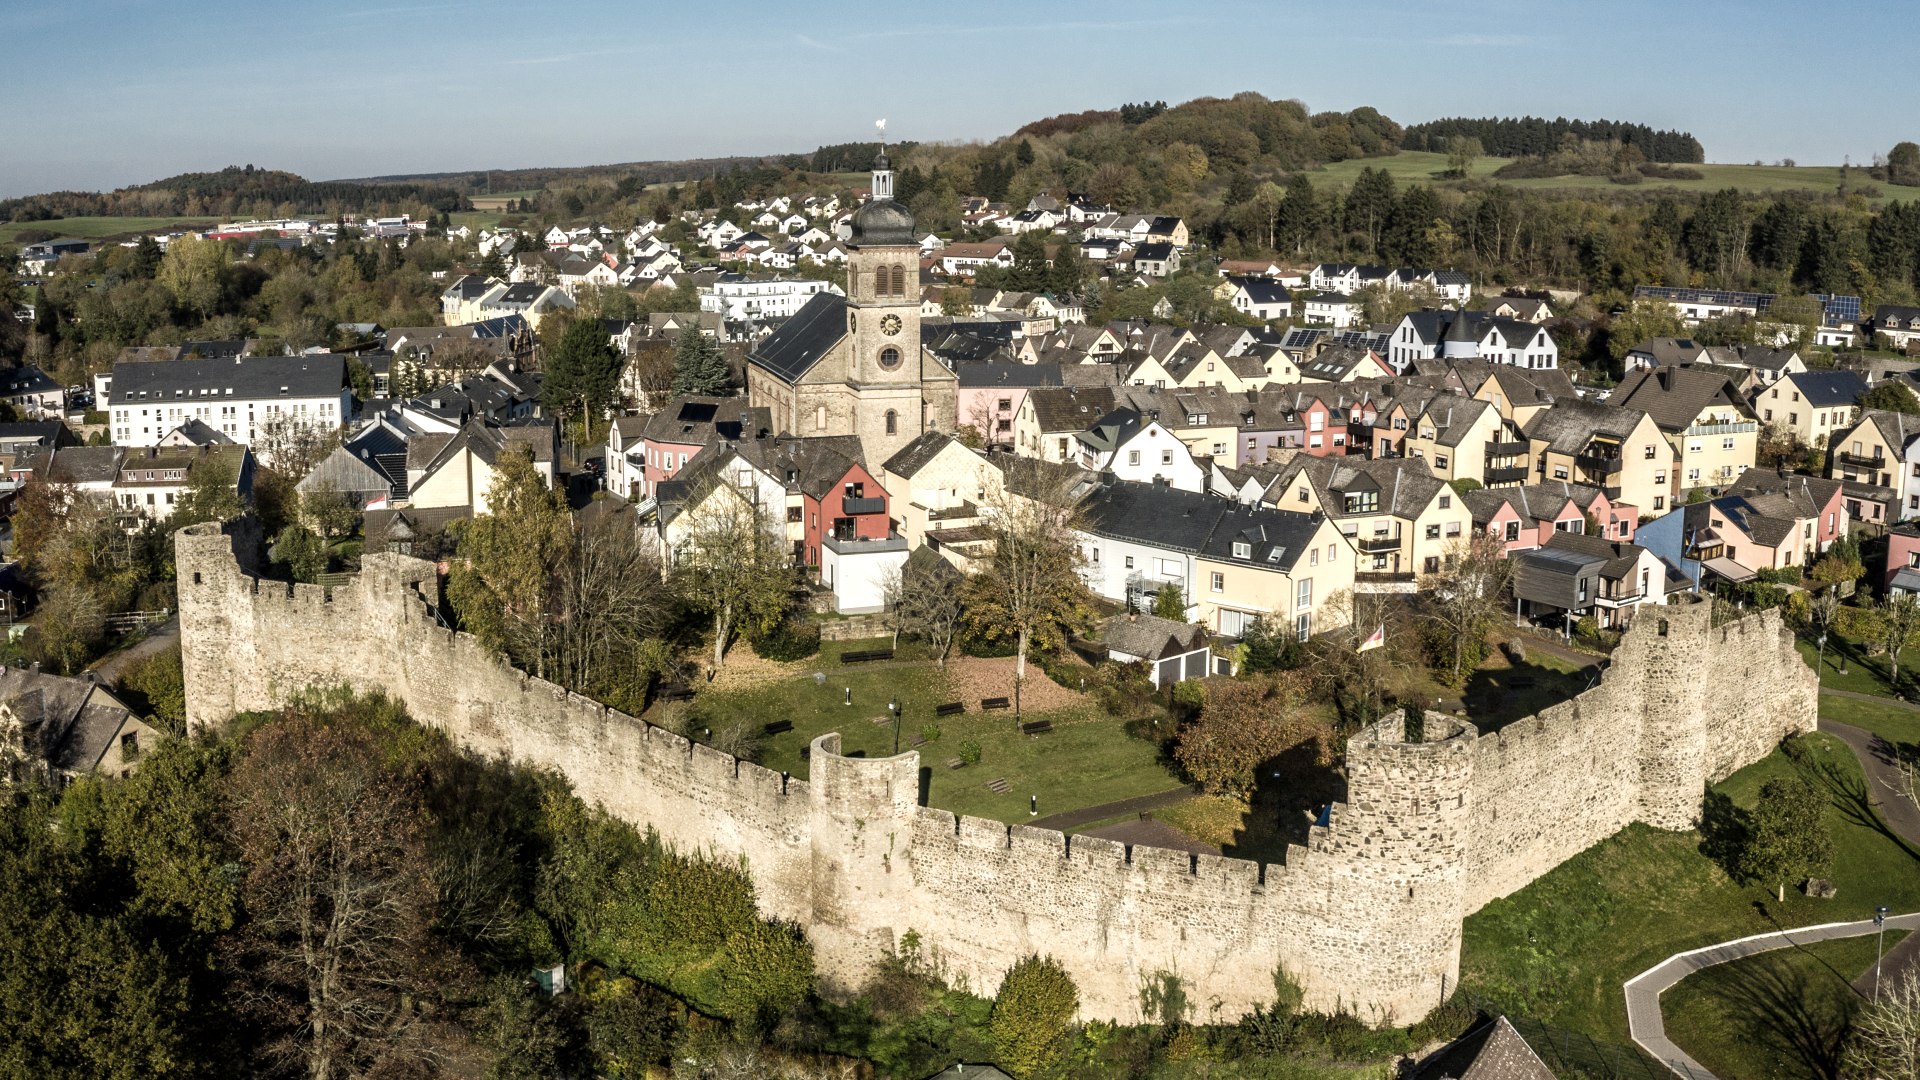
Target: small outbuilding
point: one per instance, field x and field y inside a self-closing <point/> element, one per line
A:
<point x="1171" y="650"/>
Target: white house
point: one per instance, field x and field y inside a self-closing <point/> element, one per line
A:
<point x="1334" y="309"/>
<point x="1140" y="449"/>
<point x="775" y="298"/>
<point x="233" y="397"/>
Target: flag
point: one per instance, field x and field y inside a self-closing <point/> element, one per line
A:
<point x="1375" y="639"/>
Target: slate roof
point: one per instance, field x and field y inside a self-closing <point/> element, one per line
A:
<point x="914" y="456"/>
<point x="1533" y="502"/>
<point x="694" y="419"/>
<point x="1492" y="1051"/>
<point x="308" y="376"/>
<point x="1896" y="428"/>
<point x="83" y="465"/>
<point x="1569" y="427"/>
<point x="1175" y="520"/>
<point x="1406" y="485"/>
<point x="1264" y="290"/>
<point x="1824" y="389"/>
<point x="810" y="465"/>
<point x="1675" y="396"/>
<point x="385" y="527"/>
<point x="1064" y="409"/>
<point x="804" y="339"/>
<point x="975" y="375"/>
<point x="1151" y="637"/>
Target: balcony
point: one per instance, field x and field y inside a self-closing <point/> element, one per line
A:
<point x="1506" y="449"/>
<point x="1516" y="475"/>
<point x="1601" y="463"/>
<point x="1847" y="457"/>
<point x="1372" y="545"/>
<point x="1627" y="600"/>
<point x="1723" y="429"/>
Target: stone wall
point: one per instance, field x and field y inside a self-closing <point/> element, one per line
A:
<point x="1366" y="916"/>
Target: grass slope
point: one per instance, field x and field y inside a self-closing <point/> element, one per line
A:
<point x="1561" y="948"/>
<point x="1420" y="167"/>
<point x="1781" y="1014"/>
<point x="1086" y="760"/>
<point x="99" y="228"/>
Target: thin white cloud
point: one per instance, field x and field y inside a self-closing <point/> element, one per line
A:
<point x="816" y="43"/>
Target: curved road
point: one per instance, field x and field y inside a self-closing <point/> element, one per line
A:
<point x="1886" y="792"/>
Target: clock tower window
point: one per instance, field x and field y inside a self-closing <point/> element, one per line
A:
<point x="889" y="358"/>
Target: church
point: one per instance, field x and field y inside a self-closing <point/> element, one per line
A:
<point x="854" y="365"/>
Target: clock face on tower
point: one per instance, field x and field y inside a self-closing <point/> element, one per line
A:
<point x="890" y="325"/>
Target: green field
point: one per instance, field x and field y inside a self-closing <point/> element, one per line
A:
<point x="99" y="228"/>
<point x="1410" y="166"/>
<point x="1560" y="949"/>
<point x="1780" y="1014"/>
<point x="1086" y="760"/>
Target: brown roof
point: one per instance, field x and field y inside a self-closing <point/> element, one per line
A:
<point x="1070" y="408"/>
<point x="1674" y="396"/>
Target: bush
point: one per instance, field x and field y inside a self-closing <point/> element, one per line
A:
<point x="1121" y="689"/>
<point x="1036" y="1003"/>
<point x="792" y="639"/>
<point x="1064" y="670"/>
<point x="970" y="752"/>
<point x="972" y="644"/>
<point x="930" y="731"/>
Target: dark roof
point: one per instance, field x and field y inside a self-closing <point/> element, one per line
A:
<point x="1570" y="425"/>
<point x="1492" y="1051"/>
<point x="1070" y="408"/>
<point x="804" y="339"/>
<point x="384" y="527"/>
<point x="1151" y="637"/>
<point x="694" y="419"/>
<point x="84" y="464"/>
<point x="1264" y="290"/>
<point x="1177" y="520"/>
<point x="1827" y="388"/>
<point x="912" y="457"/>
<point x="307" y="376"/>
<point x="978" y="375"/>
<point x="1153" y="251"/>
<point x="812" y="464"/>
<point x="881" y="223"/>
<point x="1675" y="396"/>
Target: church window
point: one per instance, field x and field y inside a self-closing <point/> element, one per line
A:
<point x="820" y="417"/>
<point x="889" y="358"/>
<point x="893" y="419"/>
<point x="899" y="280"/>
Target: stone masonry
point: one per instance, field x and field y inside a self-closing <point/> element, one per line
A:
<point x="1365" y="917"/>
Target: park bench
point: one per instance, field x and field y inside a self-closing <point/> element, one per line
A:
<point x="1036" y="727"/>
<point x="864" y="655"/>
<point x="675" y="692"/>
<point x="779" y="727"/>
<point x="999" y="786"/>
<point x="992" y="703"/>
<point x="951" y="708"/>
<point x="955" y="763"/>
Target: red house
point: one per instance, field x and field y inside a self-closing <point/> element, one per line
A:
<point x="685" y="424"/>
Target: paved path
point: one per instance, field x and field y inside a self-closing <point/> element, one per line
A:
<point x="115" y="666"/>
<point x="1564" y="652"/>
<point x="1134" y="805"/>
<point x="1886" y="788"/>
<point x="1644" y="990"/>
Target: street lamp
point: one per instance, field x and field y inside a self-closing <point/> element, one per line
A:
<point x="849" y="695"/>
<point x="1880" y="935"/>
<point x="893" y="706"/>
<point x="1822" y="659"/>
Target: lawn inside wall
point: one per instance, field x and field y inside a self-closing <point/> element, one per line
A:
<point x="1560" y="949"/>
<point x="1780" y="1014"/>
<point x="1087" y="759"/>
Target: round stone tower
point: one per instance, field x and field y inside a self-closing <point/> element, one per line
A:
<point x="861" y="815"/>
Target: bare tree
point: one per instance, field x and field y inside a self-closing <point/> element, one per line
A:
<point x="923" y="601"/>
<point x="1900" y="620"/>
<point x="338" y="894"/>
<point x="292" y="444"/>
<point x="1468" y="597"/>
<point x="1885" y="1043"/>
<point x="648" y="379"/>
<point x="610" y="599"/>
<point x="1029" y="584"/>
<point x="732" y="566"/>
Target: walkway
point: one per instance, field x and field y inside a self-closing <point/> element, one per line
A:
<point x="1644" y="990"/>
<point x="1138" y="803"/>
<point x="1886" y="787"/>
<point x="114" y="667"/>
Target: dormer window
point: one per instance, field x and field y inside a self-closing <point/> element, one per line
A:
<point x="1242" y="550"/>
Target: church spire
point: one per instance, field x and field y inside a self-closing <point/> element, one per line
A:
<point x="882" y="168"/>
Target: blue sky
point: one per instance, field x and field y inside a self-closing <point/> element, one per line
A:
<point x="104" y="93"/>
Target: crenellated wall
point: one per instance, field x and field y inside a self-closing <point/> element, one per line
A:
<point x="1366" y="916"/>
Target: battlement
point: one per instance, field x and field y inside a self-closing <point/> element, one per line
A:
<point x="1366" y="915"/>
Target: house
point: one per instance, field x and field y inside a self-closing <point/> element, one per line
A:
<point x="458" y="470"/>
<point x="1878" y="448"/>
<point x="1901" y="572"/>
<point x="458" y="299"/>
<point x="1710" y="427"/>
<point x="1809" y="406"/>
<point x="1575" y="576"/>
<point x="1492" y="1051"/>
<point x="152" y="481"/>
<point x="1460" y="438"/>
<point x="1606" y="446"/>
<point x="1527" y="516"/>
<point x="1344" y="363"/>
<point x="1172" y="651"/>
<point x="1140" y="449"/>
<point x="1898" y="324"/>
<point x="1337" y="310"/>
<point x="1695" y="306"/>
<point x="739" y="299"/>
<point x="54" y="729"/>
<point x="1260" y="298"/>
<point x="1156" y="259"/>
<point x="937" y="487"/>
<point x="1523" y="308"/>
<point x="1665" y="352"/>
<point x="684" y="425"/>
<point x="1400" y="518"/>
<point x="625" y="458"/>
<point x="965" y="258"/>
<point x="240" y="398"/>
<point x="991" y="395"/>
<point x="1436" y="333"/>
<point x="1049" y="420"/>
<point x="1233" y="563"/>
<point x="842" y="513"/>
<point x="529" y="300"/>
<point x="34" y="393"/>
<point x="1772" y="522"/>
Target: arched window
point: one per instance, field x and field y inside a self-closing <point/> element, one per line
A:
<point x="889" y="358"/>
<point x="893" y="422"/>
<point x="899" y="281"/>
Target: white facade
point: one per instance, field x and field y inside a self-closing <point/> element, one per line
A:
<point x="145" y="422"/>
<point x="1129" y="571"/>
<point x="1154" y="455"/>
<point x="775" y="299"/>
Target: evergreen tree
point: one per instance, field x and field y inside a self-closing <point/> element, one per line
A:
<point x="583" y="372"/>
<point x="1370" y="204"/>
<point x="1029" y="262"/>
<point x="1069" y="271"/>
<point x="1300" y="219"/>
<point x="698" y="366"/>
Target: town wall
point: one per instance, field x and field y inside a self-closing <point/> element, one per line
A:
<point x="1366" y="916"/>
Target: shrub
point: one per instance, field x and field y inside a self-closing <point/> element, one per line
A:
<point x="970" y="752"/>
<point x="1064" y="670"/>
<point x="1036" y="1002"/>
<point x="1121" y="689"/>
<point x="791" y="639"/>
<point x="930" y="731"/>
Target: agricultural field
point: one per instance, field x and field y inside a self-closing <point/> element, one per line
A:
<point x="1420" y="167"/>
<point x="99" y="228"/>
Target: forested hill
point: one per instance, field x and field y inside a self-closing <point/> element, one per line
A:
<point x="236" y="191"/>
<point x="1531" y="136"/>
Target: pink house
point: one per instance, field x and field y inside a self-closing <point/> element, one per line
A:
<point x="1903" y="560"/>
<point x="1526" y="517"/>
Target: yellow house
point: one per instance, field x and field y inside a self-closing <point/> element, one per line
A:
<point x="1811" y="405"/>
<point x="458" y="469"/>
<point x="1621" y="451"/>
<point x="936" y="487"/>
<point x="1399" y="517"/>
<point x="1712" y="431"/>
<point x="1452" y="435"/>
<point x="1242" y="577"/>
<point x="1873" y="449"/>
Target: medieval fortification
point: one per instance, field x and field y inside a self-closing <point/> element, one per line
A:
<point x="1366" y="916"/>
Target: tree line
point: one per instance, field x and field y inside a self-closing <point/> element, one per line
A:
<point x="237" y="191"/>
<point x="1533" y="136"/>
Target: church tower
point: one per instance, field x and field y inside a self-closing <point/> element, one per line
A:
<point x="883" y="318"/>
